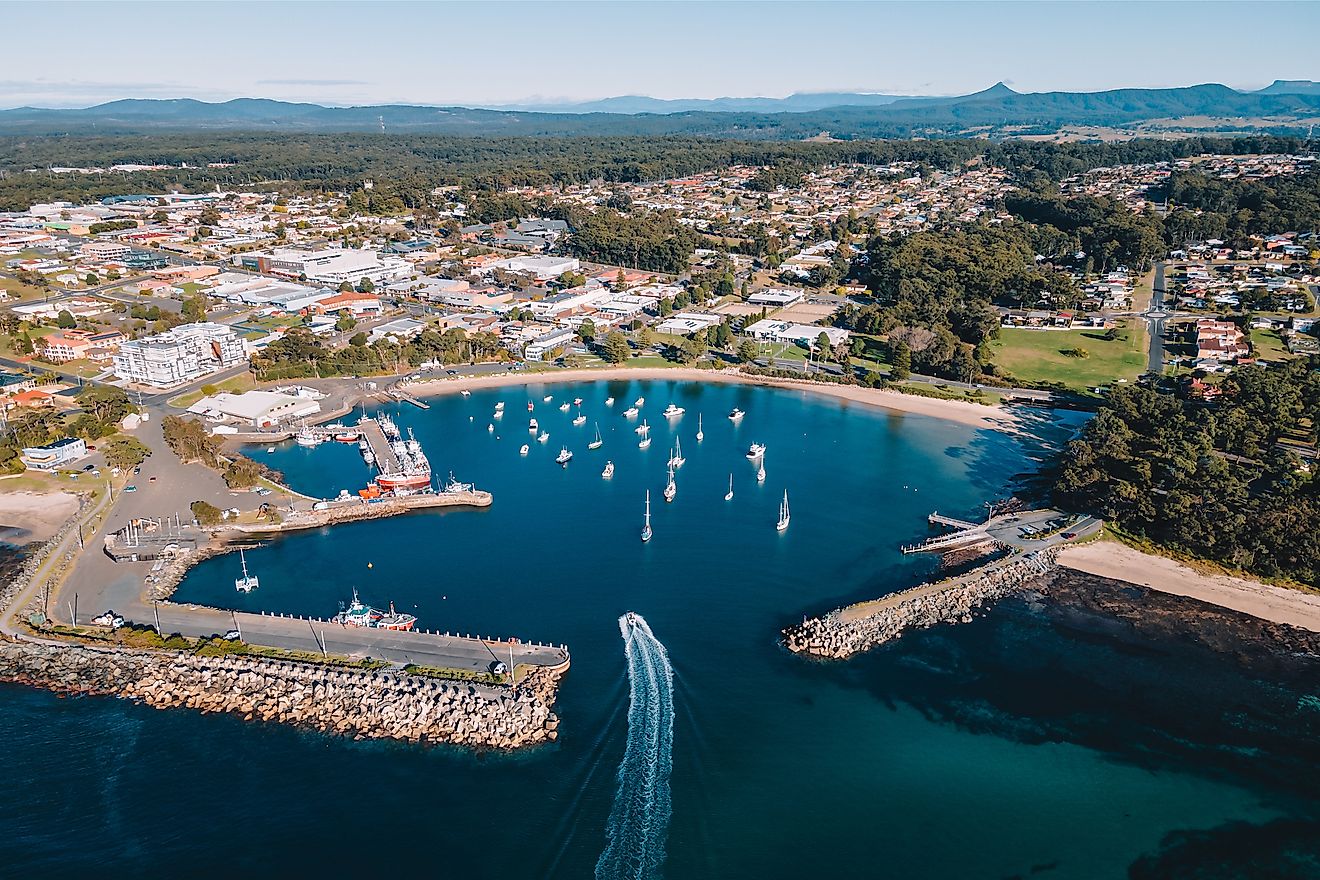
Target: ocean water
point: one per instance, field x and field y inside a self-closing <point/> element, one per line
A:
<point x="1011" y="746"/>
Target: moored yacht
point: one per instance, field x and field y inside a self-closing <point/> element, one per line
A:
<point x="608" y="472"/>
<point x="545" y="435"/>
<point x="597" y="443"/>
<point x="646" y="523"/>
<point x="701" y="435"/>
<point x="533" y="426"/>
<point x="783" y="513"/>
<point x="735" y="414"/>
<point x="671" y="488"/>
<point x="609" y="401"/>
<point x="564" y="456"/>
<point x="673" y="412"/>
<point x="630" y="412"/>
<point x="755" y="451"/>
<point x="728" y="496"/>
<point x="643" y="428"/>
<point x="524" y="450"/>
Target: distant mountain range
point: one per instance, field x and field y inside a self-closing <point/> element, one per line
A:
<point x="997" y="111"/>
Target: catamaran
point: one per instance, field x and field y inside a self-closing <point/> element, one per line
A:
<point x="609" y="470"/>
<point x="646" y="523"/>
<point x="728" y="496"/>
<point x="248" y="582"/>
<point x="597" y="443"/>
<point x="673" y="412"/>
<point x="783" y="513"/>
<point x="701" y="435"/>
<point x="676" y="458"/>
<point x="564" y="456"/>
<point x="671" y="488"/>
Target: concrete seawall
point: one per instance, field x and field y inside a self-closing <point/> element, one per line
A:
<point x="856" y="628"/>
<point x="343" y="701"/>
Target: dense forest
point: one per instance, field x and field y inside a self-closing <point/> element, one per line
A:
<point x="1231" y="210"/>
<point x="1211" y="482"/>
<point x="409" y="167"/>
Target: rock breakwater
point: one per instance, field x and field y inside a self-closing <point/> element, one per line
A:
<point x="856" y="628"/>
<point x="359" y="703"/>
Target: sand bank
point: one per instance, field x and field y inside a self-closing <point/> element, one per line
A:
<point x="973" y="414"/>
<point x="1120" y="562"/>
<point x="33" y="516"/>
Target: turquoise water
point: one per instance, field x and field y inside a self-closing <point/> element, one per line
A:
<point x="1007" y="747"/>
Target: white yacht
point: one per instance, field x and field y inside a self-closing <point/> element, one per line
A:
<point x="728" y="496"/>
<point x="564" y="456"/>
<point x="499" y="405"/>
<point x="270" y="449"/>
<point x="701" y="435"/>
<point x="755" y="451"/>
<point x="533" y="426"/>
<point x="545" y="435"/>
<point x="673" y="412"/>
<point x="736" y="414"/>
<point x="646" y="523"/>
<point x="676" y="458"/>
<point x="305" y="437"/>
<point x="525" y="449"/>
<point x="499" y="414"/>
<point x="490" y="427"/>
<point x="547" y="398"/>
<point x="248" y="582"/>
<point x="783" y="513"/>
<point x="563" y="407"/>
<point x="609" y="401"/>
<point x="760" y="474"/>
<point x="609" y="470"/>
<point x="597" y="443"/>
<point x="671" y="488"/>
<point x="580" y="419"/>
<point x="465" y="393"/>
<point x="630" y="412"/>
<point x="639" y="401"/>
<point x="577" y="401"/>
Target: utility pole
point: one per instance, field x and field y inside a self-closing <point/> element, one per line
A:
<point x="155" y="609"/>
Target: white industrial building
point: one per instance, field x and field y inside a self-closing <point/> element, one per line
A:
<point x="686" y="323"/>
<point x="776" y="297"/>
<point x="179" y="355"/>
<point x="541" y="268"/>
<point x="261" y="409"/>
<point x="331" y="266"/>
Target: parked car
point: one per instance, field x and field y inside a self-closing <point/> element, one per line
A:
<point x="110" y="619"/>
<point x="1069" y="535"/>
<point x="233" y="636"/>
<point x="89" y="467"/>
<point x="130" y="488"/>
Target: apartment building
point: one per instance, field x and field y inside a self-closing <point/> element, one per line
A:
<point x="180" y="355"/>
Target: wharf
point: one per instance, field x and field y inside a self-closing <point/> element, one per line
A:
<point x="386" y="461"/>
<point x="357" y="509"/>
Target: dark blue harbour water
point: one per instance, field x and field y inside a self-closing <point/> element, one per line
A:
<point x="1011" y="746"/>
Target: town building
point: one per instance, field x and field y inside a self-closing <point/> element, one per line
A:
<point x="73" y="344"/>
<point x="261" y="409"/>
<point x="539" y="347"/>
<point x="105" y="250"/>
<point x="54" y="455"/>
<point x="797" y="334"/>
<point x="180" y="355"/>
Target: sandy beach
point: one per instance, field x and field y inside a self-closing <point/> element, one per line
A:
<point x="33" y="516"/>
<point x="1113" y="560"/>
<point x="973" y="414"/>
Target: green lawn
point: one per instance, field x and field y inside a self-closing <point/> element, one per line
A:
<point x="1037" y="356"/>
<point x="1269" y="345"/>
<point x="235" y="385"/>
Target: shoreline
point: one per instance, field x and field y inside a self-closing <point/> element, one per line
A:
<point x="1110" y="559"/>
<point x="28" y="517"/>
<point x="975" y="415"/>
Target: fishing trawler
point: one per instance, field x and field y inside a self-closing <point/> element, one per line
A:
<point x="360" y="614"/>
<point x="306" y="437"/>
<point x="248" y="582"/>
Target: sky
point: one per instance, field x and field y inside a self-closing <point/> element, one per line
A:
<point x="483" y="54"/>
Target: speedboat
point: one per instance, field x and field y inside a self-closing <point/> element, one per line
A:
<point x="673" y="412"/>
<point x="609" y="470"/>
<point x="545" y="435"/>
<point x="577" y="401"/>
<point x="530" y="406"/>
<point x="547" y="398"/>
<point x="465" y="393"/>
<point x="490" y="427"/>
<point x="639" y="401"/>
<point x="630" y="412"/>
<point x="609" y="401"/>
<point x="736" y="414"/>
<point x="533" y="426"/>
<point x="564" y="456"/>
<point x="756" y="450"/>
<point x="270" y="449"/>
<point x="499" y="405"/>
<point x="563" y="407"/>
<point x="524" y="449"/>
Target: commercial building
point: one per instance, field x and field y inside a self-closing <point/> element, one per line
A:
<point x="180" y="355"/>
<point x="70" y="345"/>
<point x="795" y="334"/>
<point x="776" y="297"/>
<point x="261" y="409"/>
<point x="539" y="347"/>
<point x="57" y="454"/>
<point x="105" y="250"/>
<point x="540" y="268"/>
<point x="332" y="266"/>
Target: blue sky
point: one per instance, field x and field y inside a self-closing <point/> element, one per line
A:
<point x="503" y="52"/>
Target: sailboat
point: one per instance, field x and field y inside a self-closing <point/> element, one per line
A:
<point x="783" y="514"/>
<point x="597" y="443"/>
<point x="646" y="523"/>
<point x="671" y="488"/>
<point x="676" y="458"/>
<point x="760" y="473"/>
<point x="701" y="435"/>
<point x="643" y="428"/>
<point x="728" y="496"/>
<point x="644" y="442"/>
<point x="248" y="582"/>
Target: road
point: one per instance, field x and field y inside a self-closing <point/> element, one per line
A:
<point x="1154" y="317"/>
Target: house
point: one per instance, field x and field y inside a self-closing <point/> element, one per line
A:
<point x="55" y="455"/>
<point x="33" y="398"/>
<point x="72" y="344"/>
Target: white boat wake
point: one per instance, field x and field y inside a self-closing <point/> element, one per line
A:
<point x="639" y="820"/>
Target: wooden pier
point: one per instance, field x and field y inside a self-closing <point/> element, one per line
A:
<point x="967" y="534"/>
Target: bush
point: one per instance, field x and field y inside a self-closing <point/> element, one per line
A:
<point x="1075" y="353"/>
<point x="205" y="513"/>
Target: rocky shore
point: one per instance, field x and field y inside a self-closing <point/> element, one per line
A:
<point x="359" y="703"/>
<point x="848" y="631"/>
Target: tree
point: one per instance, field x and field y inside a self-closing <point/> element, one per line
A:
<point x="587" y="330"/>
<point x="747" y="351"/>
<point x="345" y="322"/>
<point x="244" y="473"/>
<point x="345" y="287"/>
<point x="823" y="343"/>
<point x="206" y="514"/>
<point x="615" y="349"/>
<point x="194" y="309"/>
<point x="65" y="320"/>
<point x="645" y="337"/>
<point x="124" y="453"/>
<point x="210" y="216"/>
<point x="106" y="404"/>
<point x="366" y="285"/>
<point x="900" y="356"/>
<point x="666" y="307"/>
<point x="91" y="280"/>
<point x="23" y="345"/>
<point x="359" y="339"/>
<point x="203" y="232"/>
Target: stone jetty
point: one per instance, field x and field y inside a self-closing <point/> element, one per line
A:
<point x="363" y="704"/>
<point x="856" y="628"/>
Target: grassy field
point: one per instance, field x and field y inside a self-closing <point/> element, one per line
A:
<point x="1269" y="345"/>
<point x="235" y="385"/>
<point x="1037" y="356"/>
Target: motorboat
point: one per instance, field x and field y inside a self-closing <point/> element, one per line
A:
<point x="563" y="407"/>
<point x="564" y="456"/>
<point x="580" y="419"/>
<point x="736" y="414"/>
<point x="270" y="449"/>
<point x="530" y="406"/>
<point x="673" y="412"/>
<point x="608" y="472"/>
<point x="465" y="393"/>
<point x="755" y="451"/>
<point x="490" y="427"/>
<point x="545" y="435"/>
<point x="639" y="401"/>
<point x="533" y="426"/>
<point x="577" y="401"/>
<point x="547" y="398"/>
<point x="609" y="401"/>
<point x="499" y="406"/>
<point x="524" y="450"/>
<point x="630" y="412"/>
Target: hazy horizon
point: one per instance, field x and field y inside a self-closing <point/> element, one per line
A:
<point x="486" y="55"/>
